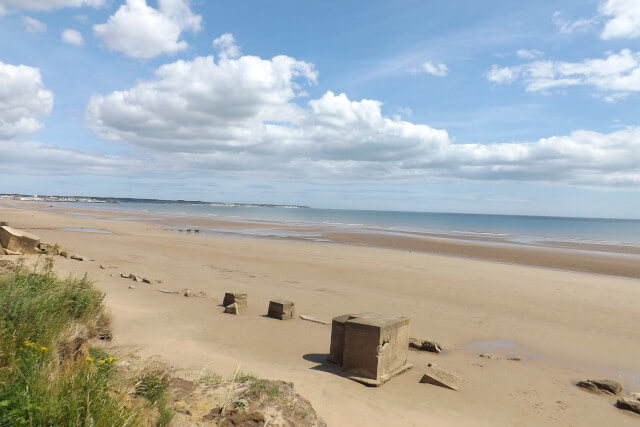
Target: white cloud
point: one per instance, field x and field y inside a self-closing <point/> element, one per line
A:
<point x="32" y="25"/>
<point x="46" y="159"/>
<point x="45" y="5"/>
<point x="623" y="19"/>
<point x="616" y="75"/>
<point x="22" y="96"/>
<point x="529" y="54"/>
<point x="227" y="47"/>
<point x="72" y="37"/>
<point x="579" y="25"/>
<point x="439" y="70"/>
<point x="140" y="31"/>
<point x="503" y="75"/>
<point x="242" y="115"/>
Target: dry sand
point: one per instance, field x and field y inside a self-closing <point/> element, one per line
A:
<point x="566" y="325"/>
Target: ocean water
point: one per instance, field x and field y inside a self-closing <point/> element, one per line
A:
<point x="513" y="228"/>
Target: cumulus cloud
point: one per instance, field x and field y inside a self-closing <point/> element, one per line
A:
<point x="45" y="5"/>
<point x="244" y="114"/>
<point x="32" y="25"/>
<point x="615" y="76"/>
<point x="623" y="19"/>
<point x="22" y="96"/>
<point x="529" y="53"/>
<point x="140" y="31"/>
<point x="439" y="70"/>
<point x="72" y="37"/>
<point x="226" y="46"/>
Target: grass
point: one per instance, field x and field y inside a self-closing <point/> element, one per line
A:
<point x="39" y="383"/>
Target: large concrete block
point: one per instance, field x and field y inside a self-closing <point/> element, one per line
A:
<point x="18" y="240"/>
<point x="281" y="309"/>
<point x="337" y="335"/>
<point x="235" y="298"/>
<point x="375" y="347"/>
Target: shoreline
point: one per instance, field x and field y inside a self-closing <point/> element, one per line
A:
<point x="599" y="259"/>
<point x="567" y="326"/>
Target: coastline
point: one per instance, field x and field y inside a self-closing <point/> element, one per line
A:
<point x="567" y="326"/>
<point x="594" y="258"/>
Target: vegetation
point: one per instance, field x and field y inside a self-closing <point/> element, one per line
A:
<point x="48" y="375"/>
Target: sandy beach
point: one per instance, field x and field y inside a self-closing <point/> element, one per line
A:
<point x="565" y="325"/>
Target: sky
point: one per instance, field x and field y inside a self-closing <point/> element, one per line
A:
<point x="510" y="107"/>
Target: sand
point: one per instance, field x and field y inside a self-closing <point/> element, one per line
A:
<point x="566" y="325"/>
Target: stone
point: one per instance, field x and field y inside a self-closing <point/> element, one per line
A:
<point x="64" y="254"/>
<point x="76" y="257"/>
<point x="372" y="348"/>
<point x="629" y="404"/>
<point x="281" y="309"/>
<point x="186" y="292"/>
<point x="18" y="240"/>
<point x="489" y="356"/>
<point x="8" y="252"/>
<point x="235" y="297"/>
<point x="515" y="358"/>
<point x="147" y="281"/>
<point x="4" y="223"/>
<point x="437" y="376"/>
<point x="48" y="249"/>
<point x="232" y="308"/>
<point x="605" y="386"/>
<point x="425" y="345"/>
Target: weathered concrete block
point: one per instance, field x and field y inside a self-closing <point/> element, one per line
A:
<point x="337" y="335"/>
<point x="235" y="298"/>
<point x="436" y="376"/>
<point x="232" y="308"/>
<point x="375" y="347"/>
<point x="18" y="240"/>
<point x="281" y="309"/>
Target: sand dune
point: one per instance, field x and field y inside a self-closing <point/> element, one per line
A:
<point x="567" y="326"/>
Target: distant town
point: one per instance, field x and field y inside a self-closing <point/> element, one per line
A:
<point x="84" y="199"/>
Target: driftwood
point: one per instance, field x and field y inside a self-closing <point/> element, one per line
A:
<point x="311" y="319"/>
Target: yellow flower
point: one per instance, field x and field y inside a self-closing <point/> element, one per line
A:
<point x="43" y="349"/>
<point x="89" y="359"/>
<point x="29" y="344"/>
<point x="111" y="360"/>
<point x="100" y="362"/>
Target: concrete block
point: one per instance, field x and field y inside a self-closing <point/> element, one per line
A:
<point x="232" y="308"/>
<point x="281" y="309"/>
<point x="18" y="240"/>
<point x="235" y="298"/>
<point x="437" y="376"/>
<point x="375" y="347"/>
<point x="337" y="335"/>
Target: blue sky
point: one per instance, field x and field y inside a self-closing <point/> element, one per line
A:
<point x="494" y="107"/>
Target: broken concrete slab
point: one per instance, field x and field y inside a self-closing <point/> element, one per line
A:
<point x="281" y="309"/>
<point x="425" y="345"/>
<point x="239" y="298"/>
<point x="375" y="347"/>
<point x="629" y="403"/>
<point x="18" y="240"/>
<point x="437" y="376"/>
<point x="604" y="386"/>
<point x="232" y="308"/>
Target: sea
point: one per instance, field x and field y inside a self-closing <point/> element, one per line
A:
<point x="510" y="228"/>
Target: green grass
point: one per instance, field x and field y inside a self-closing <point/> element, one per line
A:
<point x="38" y="312"/>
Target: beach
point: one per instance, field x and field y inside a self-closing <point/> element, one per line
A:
<point x="568" y="314"/>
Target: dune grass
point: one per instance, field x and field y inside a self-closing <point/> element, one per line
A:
<point x="39" y="384"/>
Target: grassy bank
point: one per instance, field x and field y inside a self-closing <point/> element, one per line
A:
<point x="48" y="373"/>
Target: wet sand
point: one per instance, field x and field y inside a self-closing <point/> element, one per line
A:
<point x="566" y="325"/>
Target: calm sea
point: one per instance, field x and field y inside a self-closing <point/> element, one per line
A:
<point x="513" y="228"/>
